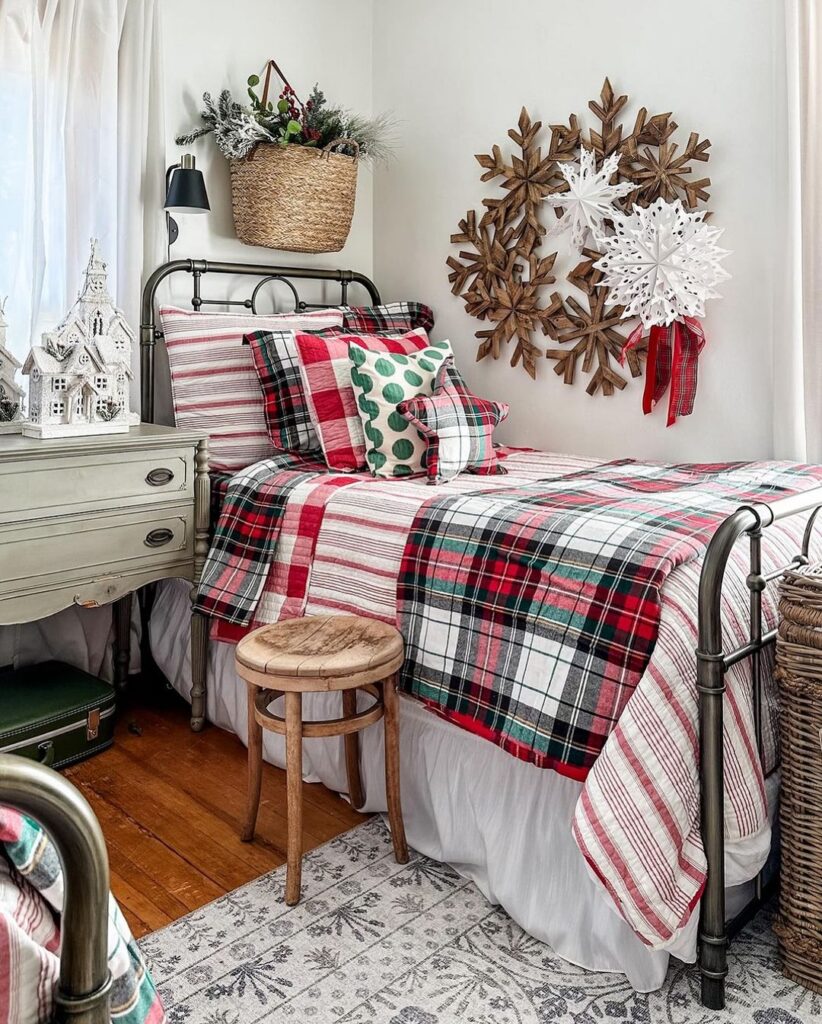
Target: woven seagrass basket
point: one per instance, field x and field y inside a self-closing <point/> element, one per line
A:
<point x="799" y="673"/>
<point x="294" y="197"/>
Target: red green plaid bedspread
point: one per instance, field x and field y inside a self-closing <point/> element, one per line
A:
<point x="531" y="613"/>
<point x="552" y="611"/>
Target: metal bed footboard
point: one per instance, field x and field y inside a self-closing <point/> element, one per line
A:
<point x="712" y="663"/>
<point x="83" y="992"/>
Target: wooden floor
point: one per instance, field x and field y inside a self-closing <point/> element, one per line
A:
<point x="170" y="803"/>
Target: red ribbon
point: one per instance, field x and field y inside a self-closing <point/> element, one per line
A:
<point x="673" y="357"/>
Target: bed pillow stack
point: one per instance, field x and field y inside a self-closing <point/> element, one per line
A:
<point x="361" y="387"/>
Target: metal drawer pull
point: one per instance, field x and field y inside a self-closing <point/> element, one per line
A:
<point x="159" y="477"/>
<point x="157" y="538"/>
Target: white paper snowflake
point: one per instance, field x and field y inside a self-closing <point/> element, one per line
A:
<point x="661" y="263"/>
<point x="590" y="199"/>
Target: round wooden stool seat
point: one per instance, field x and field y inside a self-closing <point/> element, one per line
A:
<point x="316" y="654"/>
<point x="321" y="652"/>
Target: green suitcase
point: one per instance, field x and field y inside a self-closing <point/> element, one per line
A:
<point x="54" y="713"/>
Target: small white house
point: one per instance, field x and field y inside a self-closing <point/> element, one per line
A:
<point x="79" y="376"/>
<point x="11" y="393"/>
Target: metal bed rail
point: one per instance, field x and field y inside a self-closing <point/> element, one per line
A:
<point x="83" y="991"/>
<point x="713" y="661"/>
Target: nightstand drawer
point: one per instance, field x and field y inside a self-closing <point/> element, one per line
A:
<point x="74" y="547"/>
<point x="44" y="486"/>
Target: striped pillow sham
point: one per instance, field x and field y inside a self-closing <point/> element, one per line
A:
<point x="214" y="386"/>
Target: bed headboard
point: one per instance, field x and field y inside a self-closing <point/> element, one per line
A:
<point x="264" y="274"/>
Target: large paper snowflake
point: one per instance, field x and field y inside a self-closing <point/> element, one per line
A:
<point x="662" y="263"/>
<point x="590" y="200"/>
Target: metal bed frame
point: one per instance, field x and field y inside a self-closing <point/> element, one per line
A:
<point x="83" y="990"/>
<point x="712" y="659"/>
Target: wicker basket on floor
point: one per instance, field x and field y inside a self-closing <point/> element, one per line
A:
<point x="295" y="197"/>
<point x="799" y="673"/>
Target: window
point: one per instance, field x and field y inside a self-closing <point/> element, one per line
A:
<point x="119" y="342"/>
<point x="58" y="407"/>
<point x="97" y="324"/>
<point x="101" y="406"/>
<point x="101" y="383"/>
<point x="59" y="384"/>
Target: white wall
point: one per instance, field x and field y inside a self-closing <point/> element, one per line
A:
<point x="210" y="45"/>
<point x="456" y="75"/>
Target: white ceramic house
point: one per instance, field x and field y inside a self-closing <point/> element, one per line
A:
<point x="79" y="376"/>
<point x="11" y="393"/>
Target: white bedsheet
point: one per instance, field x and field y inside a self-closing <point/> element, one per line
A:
<point x="499" y="821"/>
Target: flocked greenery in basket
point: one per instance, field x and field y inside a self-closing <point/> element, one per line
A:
<point x="293" y="164"/>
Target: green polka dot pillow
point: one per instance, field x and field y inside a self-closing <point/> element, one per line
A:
<point x="381" y="380"/>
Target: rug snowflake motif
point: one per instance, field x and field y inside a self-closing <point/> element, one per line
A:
<point x="375" y="942"/>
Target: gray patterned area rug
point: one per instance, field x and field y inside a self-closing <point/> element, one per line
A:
<point x="374" y="942"/>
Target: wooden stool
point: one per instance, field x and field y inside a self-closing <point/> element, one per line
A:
<point x="313" y="655"/>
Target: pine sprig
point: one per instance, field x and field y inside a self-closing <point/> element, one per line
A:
<point x="237" y="129"/>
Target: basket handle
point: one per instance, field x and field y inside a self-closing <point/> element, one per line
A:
<point x="269" y="64"/>
<point x="343" y="140"/>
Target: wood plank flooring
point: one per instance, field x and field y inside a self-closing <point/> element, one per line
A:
<point x="171" y="803"/>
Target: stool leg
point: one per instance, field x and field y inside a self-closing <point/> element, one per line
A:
<point x="255" y="767"/>
<point x="392" y="768"/>
<point x="352" y="752"/>
<point x="294" y="770"/>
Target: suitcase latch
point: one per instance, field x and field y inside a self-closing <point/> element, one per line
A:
<point x="93" y="724"/>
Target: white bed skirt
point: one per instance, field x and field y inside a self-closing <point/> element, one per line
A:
<point x="499" y="821"/>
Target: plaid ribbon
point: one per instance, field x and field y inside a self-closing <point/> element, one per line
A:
<point x="673" y="358"/>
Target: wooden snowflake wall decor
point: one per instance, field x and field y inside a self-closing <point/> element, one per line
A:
<point x="501" y="274"/>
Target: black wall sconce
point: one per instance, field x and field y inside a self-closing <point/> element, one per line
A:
<point x="185" y="193"/>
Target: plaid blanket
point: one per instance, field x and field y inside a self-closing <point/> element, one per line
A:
<point x="31" y="897"/>
<point x="530" y="614"/>
<point x="637" y="819"/>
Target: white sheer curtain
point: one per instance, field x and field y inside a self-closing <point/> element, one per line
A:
<point x="80" y="138"/>
<point x="798" y="355"/>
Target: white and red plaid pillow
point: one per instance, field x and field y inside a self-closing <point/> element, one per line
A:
<point x="456" y="426"/>
<point x="326" y="373"/>
<point x="214" y="385"/>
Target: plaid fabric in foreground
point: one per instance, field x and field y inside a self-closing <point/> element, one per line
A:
<point x="31" y="901"/>
<point x="531" y="613"/>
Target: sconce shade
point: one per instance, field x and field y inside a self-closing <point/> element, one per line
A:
<point x="186" y="190"/>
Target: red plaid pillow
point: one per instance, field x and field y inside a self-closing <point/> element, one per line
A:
<point x="393" y="316"/>
<point x="326" y="373"/>
<point x="213" y="382"/>
<point x="278" y="368"/>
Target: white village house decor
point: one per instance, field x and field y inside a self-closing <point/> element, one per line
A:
<point x="11" y="394"/>
<point x="79" y="376"/>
